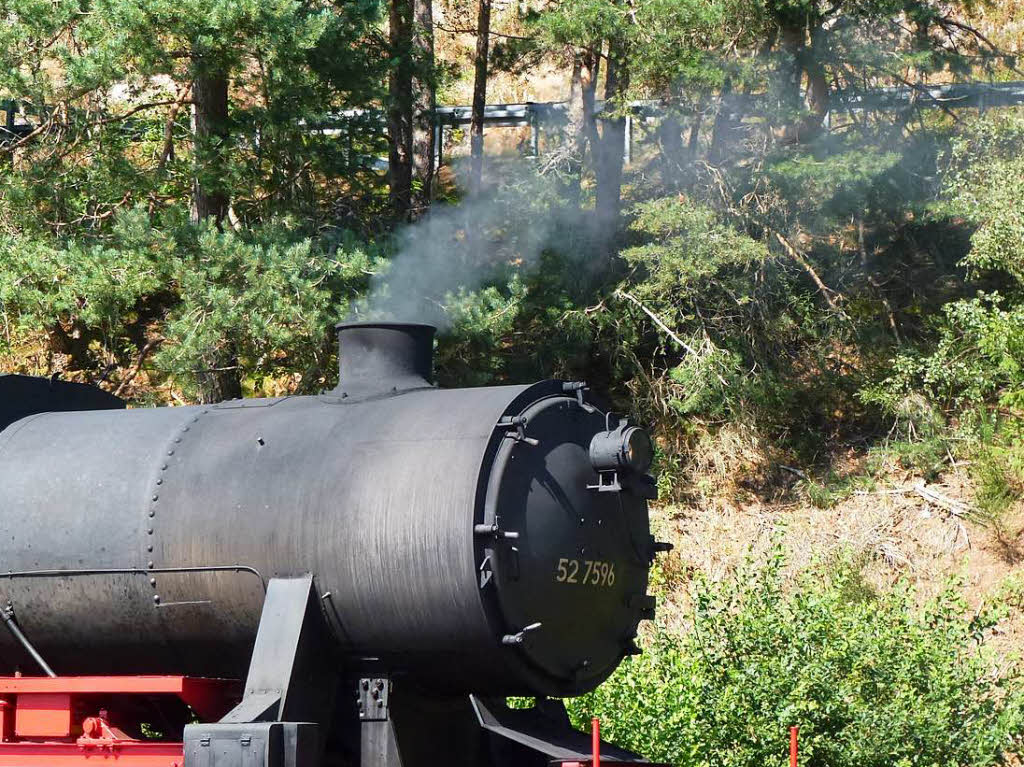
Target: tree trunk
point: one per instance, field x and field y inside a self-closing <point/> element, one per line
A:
<point x="575" y="141"/>
<point x="670" y="141"/>
<point x="211" y="129"/>
<point x="721" y="124"/>
<point x="610" y="160"/>
<point x="802" y="121"/>
<point x="818" y="98"/>
<point x="220" y="380"/>
<point x="581" y="129"/>
<point x="483" y="41"/>
<point x="400" y="108"/>
<point x="219" y="377"/>
<point x="424" y="102"/>
<point x="591" y="73"/>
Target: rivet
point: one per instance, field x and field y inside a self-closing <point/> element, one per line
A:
<point x="170" y="452"/>
<point x="156" y="599"/>
<point x="150" y="565"/>
<point x="149" y="531"/>
<point x="156" y="497"/>
<point x="152" y="581"/>
<point x="149" y="548"/>
<point x="177" y="439"/>
<point x="164" y="467"/>
<point x="160" y="481"/>
<point x="152" y="512"/>
<point x="184" y="428"/>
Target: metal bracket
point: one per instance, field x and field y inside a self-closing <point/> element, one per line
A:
<point x="579" y="388"/>
<point x="292" y="675"/>
<point x="486" y="571"/>
<point x="607" y="482"/>
<point x="373" y="699"/>
<point x="645" y="604"/>
<point x="519" y="637"/>
<point x="660" y="547"/>
<point x="495" y="532"/>
<point x="518" y="432"/>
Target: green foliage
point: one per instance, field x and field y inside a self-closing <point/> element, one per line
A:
<point x="270" y="295"/>
<point x="979" y="353"/>
<point x="109" y="82"/>
<point x="870" y="678"/>
<point x="698" y="276"/>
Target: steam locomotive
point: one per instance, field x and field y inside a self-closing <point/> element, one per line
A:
<point x="382" y="564"/>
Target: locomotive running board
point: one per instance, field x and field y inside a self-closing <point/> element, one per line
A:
<point x="545" y="729"/>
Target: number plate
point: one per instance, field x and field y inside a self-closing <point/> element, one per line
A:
<point x="585" y="572"/>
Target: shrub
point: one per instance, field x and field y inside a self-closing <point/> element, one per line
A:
<point x="871" y="679"/>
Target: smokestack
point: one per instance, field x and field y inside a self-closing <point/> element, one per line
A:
<point x="384" y="357"/>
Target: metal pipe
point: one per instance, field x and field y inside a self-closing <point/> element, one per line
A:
<point x="8" y="615"/>
<point x="67" y="573"/>
<point x="595" y="738"/>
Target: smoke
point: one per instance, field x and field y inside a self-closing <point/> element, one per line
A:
<point x="466" y="246"/>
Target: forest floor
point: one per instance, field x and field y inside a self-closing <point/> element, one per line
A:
<point x="899" y="528"/>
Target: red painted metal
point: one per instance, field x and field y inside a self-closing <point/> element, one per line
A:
<point x="595" y="741"/>
<point x="42" y="714"/>
<point x="6" y="720"/>
<point x="58" y="722"/>
<point x="793" y="733"/>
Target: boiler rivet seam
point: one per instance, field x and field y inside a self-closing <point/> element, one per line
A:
<point x="151" y="512"/>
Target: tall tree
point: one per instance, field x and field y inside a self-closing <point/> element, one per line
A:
<point x="218" y="374"/>
<point x="582" y="128"/>
<point x="424" y="102"/>
<point x="613" y="136"/>
<point x="400" y="107"/>
<point x="211" y="134"/>
<point x="152" y="248"/>
<point x="476" y="130"/>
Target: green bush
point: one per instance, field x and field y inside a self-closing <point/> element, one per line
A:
<point x="871" y="679"/>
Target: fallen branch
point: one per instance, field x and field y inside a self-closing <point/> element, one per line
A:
<point x="954" y="507"/>
<point x="895" y="491"/>
<point x="657" y="321"/>
<point x="797" y="256"/>
<point x="797" y="472"/>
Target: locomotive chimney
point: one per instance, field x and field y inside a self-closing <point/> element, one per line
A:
<point x="384" y="357"/>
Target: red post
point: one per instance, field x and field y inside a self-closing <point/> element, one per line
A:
<point x="595" y="739"/>
<point x="793" y="731"/>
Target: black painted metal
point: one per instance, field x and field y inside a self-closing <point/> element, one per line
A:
<point x="293" y="675"/>
<point x="384" y="357"/>
<point x="543" y="731"/>
<point x="22" y="396"/>
<point x="265" y="744"/>
<point x="379" y="494"/>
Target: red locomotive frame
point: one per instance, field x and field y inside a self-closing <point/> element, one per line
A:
<point x="73" y="721"/>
